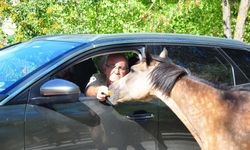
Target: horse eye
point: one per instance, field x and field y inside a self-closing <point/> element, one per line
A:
<point x="132" y="70"/>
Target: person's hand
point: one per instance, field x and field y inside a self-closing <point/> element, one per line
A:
<point x="102" y="93"/>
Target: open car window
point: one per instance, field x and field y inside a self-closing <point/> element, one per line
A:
<point x="80" y="73"/>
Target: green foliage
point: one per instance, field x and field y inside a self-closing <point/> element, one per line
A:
<point x="204" y="18"/>
<point x="247" y="29"/>
<point x="33" y="18"/>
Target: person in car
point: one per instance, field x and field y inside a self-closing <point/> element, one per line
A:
<point x="114" y="67"/>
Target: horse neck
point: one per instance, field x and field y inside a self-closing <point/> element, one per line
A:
<point x="198" y="105"/>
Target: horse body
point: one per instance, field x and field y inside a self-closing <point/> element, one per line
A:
<point x="215" y="122"/>
<point x="218" y="119"/>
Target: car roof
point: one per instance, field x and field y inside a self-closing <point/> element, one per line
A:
<point x="105" y="39"/>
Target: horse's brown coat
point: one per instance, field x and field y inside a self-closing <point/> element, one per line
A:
<point x="220" y="123"/>
<point x="218" y="119"/>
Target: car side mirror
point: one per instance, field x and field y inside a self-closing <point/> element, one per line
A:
<point x="56" y="87"/>
<point x="57" y="91"/>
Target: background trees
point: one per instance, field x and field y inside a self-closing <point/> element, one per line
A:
<point x="29" y="18"/>
<point x="240" y="21"/>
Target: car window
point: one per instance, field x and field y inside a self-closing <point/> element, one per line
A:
<point x="78" y="74"/>
<point x="203" y="62"/>
<point x="81" y="73"/>
<point x="242" y="60"/>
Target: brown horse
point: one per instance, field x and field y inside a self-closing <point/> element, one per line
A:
<point x="218" y="119"/>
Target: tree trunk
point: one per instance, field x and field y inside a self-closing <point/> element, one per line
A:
<point x="241" y="18"/>
<point x="226" y="18"/>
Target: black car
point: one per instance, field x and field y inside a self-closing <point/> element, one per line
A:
<point x="42" y="82"/>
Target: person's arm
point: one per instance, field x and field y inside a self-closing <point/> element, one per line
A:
<point x="99" y="91"/>
<point x="96" y="87"/>
<point x="91" y="90"/>
<point x="93" y="85"/>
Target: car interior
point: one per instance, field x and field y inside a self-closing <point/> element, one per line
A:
<point x="80" y="73"/>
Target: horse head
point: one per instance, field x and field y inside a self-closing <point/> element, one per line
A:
<point x="136" y="85"/>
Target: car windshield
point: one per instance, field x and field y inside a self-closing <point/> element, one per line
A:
<point x="19" y="61"/>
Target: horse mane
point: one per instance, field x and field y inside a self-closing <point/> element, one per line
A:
<point x="164" y="76"/>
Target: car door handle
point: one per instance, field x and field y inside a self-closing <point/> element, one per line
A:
<point x="141" y="117"/>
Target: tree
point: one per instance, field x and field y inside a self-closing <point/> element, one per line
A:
<point x="31" y="18"/>
<point x="240" y="22"/>
<point x="226" y="18"/>
<point x="242" y="15"/>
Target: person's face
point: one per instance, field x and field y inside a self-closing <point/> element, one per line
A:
<point x="115" y="68"/>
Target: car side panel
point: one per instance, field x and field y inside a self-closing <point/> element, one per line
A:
<point x="85" y="124"/>
<point x="12" y="120"/>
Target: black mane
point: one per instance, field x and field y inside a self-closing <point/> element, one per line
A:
<point x="164" y="76"/>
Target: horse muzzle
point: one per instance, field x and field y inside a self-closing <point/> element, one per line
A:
<point x="113" y="96"/>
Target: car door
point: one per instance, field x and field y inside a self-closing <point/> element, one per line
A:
<point x="12" y="120"/>
<point x="87" y="123"/>
<point x="204" y="62"/>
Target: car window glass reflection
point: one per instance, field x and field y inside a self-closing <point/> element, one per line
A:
<point x="19" y="61"/>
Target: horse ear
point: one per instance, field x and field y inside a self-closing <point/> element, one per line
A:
<point x="164" y="53"/>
